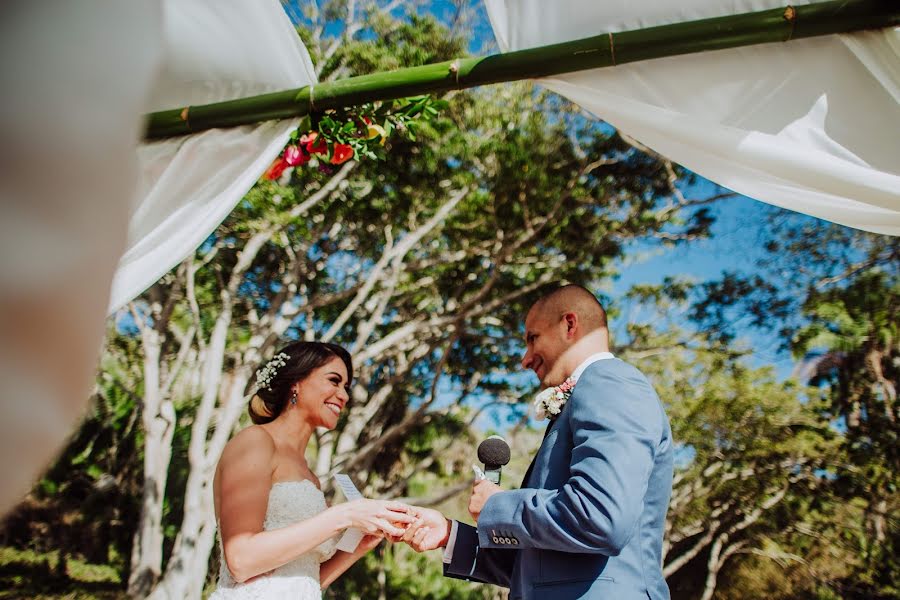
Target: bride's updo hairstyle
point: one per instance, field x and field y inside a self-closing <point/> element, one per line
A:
<point x="291" y="364"/>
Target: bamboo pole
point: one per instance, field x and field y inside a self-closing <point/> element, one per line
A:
<point x="608" y="49"/>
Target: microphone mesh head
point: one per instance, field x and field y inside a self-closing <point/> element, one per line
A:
<point x="494" y="451"/>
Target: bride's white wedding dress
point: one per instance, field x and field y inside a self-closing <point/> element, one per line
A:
<point x="289" y="502"/>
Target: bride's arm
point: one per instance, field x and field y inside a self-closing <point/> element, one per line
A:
<point x="334" y="567"/>
<point x="245" y="479"/>
<point x="244" y="482"/>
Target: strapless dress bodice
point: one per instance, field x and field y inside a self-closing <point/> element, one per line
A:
<point x="289" y="502"/>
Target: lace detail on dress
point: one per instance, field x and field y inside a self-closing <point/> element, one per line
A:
<point x="289" y="502"/>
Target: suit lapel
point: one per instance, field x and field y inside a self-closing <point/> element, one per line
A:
<point x="533" y="460"/>
<point x="547" y="431"/>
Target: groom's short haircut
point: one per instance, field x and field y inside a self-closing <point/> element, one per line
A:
<point x="573" y="298"/>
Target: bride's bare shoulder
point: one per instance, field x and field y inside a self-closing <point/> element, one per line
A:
<point x="253" y="439"/>
<point x="248" y="460"/>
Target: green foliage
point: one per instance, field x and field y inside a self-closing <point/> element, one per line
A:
<point x="852" y="337"/>
<point x="88" y="501"/>
<point x="367" y="128"/>
<point x="832" y="295"/>
<point x="29" y="574"/>
<point x="385" y="44"/>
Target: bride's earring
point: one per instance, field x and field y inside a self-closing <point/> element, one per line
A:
<point x="294" y="397"/>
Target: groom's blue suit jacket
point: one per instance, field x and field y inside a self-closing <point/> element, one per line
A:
<point x="589" y="520"/>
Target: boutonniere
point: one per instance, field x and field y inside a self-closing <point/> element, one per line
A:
<point x="549" y="402"/>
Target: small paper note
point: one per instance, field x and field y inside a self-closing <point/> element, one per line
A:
<point x="352" y="537"/>
<point x="479" y="474"/>
<point x="348" y="488"/>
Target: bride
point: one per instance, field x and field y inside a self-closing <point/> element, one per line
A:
<point x="275" y="528"/>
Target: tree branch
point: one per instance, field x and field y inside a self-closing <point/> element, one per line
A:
<point x="439" y="497"/>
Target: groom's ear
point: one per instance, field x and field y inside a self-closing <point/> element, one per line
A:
<point x="571" y="321"/>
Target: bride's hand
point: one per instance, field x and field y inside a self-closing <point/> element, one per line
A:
<point x="377" y="516"/>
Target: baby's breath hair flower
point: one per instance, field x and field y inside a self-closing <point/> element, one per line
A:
<point x="265" y="375"/>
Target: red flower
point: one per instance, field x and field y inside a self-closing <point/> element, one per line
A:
<point x="313" y="143"/>
<point x="277" y="169"/>
<point x="318" y="147"/>
<point x="294" y="156"/>
<point x="342" y="153"/>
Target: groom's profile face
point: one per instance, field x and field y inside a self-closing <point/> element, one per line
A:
<point x="545" y="342"/>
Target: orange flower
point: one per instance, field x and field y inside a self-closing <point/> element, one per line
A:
<point x="276" y="169"/>
<point x="342" y="153"/>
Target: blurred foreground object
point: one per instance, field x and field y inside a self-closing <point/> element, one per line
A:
<point x="92" y="216"/>
<point x="75" y="78"/>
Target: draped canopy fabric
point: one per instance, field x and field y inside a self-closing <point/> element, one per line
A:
<point x="811" y="125"/>
<point x="214" y="51"/>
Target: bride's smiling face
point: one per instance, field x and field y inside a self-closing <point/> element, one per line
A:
<point x="322" y="395"/>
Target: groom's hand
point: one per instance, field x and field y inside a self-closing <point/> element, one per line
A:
<point x="481" y="491"/>
<point x="430" y="531"/>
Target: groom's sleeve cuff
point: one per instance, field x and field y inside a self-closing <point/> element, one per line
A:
<point x="451" y="543"/>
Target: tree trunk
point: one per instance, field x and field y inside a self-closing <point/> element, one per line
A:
<point x="187" y="568"/>
<point x="382" y="575"/>
<point x="713" y="565"/>
<point x="325" y="453"/>
<point x="875" y="515"/>
<point x="882" y="386"/>
<point x="159" y="429"/>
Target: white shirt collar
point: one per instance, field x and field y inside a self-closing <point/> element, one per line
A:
<point x="589" y="361"/>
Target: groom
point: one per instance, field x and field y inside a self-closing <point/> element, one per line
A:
<point x="588" y="521"/>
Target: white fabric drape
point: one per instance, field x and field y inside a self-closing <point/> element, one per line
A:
<point x="215" y="51"/>
<point x="75" y="78"/>
<point x="810" y="125"/>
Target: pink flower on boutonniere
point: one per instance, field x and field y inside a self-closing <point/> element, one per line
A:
<point x="549" y="402"/>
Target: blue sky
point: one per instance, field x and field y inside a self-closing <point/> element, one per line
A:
<point x="735" y="245"/>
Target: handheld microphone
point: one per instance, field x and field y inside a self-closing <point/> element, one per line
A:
<point x="494" y="453"/>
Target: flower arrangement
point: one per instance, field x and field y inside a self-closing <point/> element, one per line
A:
<point x="549" y="402"/>
<point x="336" y="136"/>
